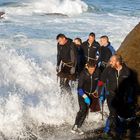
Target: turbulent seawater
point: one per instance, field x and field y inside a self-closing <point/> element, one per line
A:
<point x="30" y="100"/>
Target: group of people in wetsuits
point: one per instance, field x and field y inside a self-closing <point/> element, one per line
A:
<point x="101" y="75"/>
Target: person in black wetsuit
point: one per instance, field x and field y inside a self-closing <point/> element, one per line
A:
<point x="80" y="56"/>
<point x="106" y="51"/>
<point x="86" y="86"/>
<point x="121" y="93"/>
<point x="90" y="48"/>
<point x="66" y="61"/>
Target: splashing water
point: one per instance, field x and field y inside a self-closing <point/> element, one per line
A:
<point x="29" y="93"/>
<point x="27" y="90"/>
<point x="65" y="7"/>
<point x="30" y="96"/>
<point x="68" y="7"/>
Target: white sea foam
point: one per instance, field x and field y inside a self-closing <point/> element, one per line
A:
<point x="66" y="7"/>
<point x="30" y="94"/>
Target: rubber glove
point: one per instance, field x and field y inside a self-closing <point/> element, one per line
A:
<point x="86" y="99"/>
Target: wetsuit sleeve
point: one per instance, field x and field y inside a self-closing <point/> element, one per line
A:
<point x="73" y="55"/>
<point x="98" y="51"/>
<point x="108" y="55"/>
<point x="58" y="54"/>
<point x="98" y="46"/>
<point x="81" y="84"/>
<point x="104" y="75"/>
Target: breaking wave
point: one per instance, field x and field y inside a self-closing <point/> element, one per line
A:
<point x="65" y="7"/>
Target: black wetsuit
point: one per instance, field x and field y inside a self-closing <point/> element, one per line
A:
<point x="80" y="59"/>
<point x="105" y="54"/>
<point x="66" y="55"/>
<point x="90" y="52"/>
<point x="88" y="84"/>
<point x="120" y="99"/>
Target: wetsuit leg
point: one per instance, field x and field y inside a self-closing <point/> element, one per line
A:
<point x="112" y="119"/>
<point x="81" y="115"/>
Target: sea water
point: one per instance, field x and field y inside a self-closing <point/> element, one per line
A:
<point x="29" y="91"/>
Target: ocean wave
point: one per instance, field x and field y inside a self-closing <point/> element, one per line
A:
<point x="65" y="7"/>
<point x="30" y="94"/>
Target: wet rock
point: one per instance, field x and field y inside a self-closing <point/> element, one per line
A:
<point x="130" y="51"/>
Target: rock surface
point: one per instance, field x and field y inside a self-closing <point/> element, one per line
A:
<point x="130" y="51"/>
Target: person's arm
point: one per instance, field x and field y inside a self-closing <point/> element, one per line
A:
<point x="73" y="56"/>
<point x="105" y="74"/>
<point x="111" y="49"/>
<point x="107" y="55"/>
<point x="102" y="81"/>
<point x="58" y="54"/>
<point x="81" y="91"/>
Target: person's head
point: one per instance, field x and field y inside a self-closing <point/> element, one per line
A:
<point x="104" y="40"/>
<point x="77" y="41"/>
<point x="61" y="39"/>
<point x="116" y="61"/>
<point x="91" y="37"/>
<point x="91" y="66"/>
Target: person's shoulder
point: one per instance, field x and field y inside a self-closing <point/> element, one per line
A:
<point x="69" y="41"/>
<point x="97" y="72"/>
<point x="126" y="69"/>
<point x="83" y="73"/>
<point x="85" y="43"/>
<point x="109" y="70"/>
<point x="96" y="43"/>
<point x="111" y="48"/>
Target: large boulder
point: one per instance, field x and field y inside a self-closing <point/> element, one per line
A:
<point x="130" y="51"/>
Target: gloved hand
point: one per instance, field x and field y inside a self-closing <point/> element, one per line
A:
<point x="86" y="99"/>
<point x="72" y="70"/>
<point x="57" y="68"/>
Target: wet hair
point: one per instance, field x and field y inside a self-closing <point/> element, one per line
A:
<point x="60" y="36"/>
<point x="105" y="37"/>
<point x="91" y="63"/>
<point x="79" y="39"/>
<point x="92" y="34"/>
<point x="118" y="58"/>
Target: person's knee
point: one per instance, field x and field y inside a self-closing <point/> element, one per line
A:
<point x="83" y="109"/>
